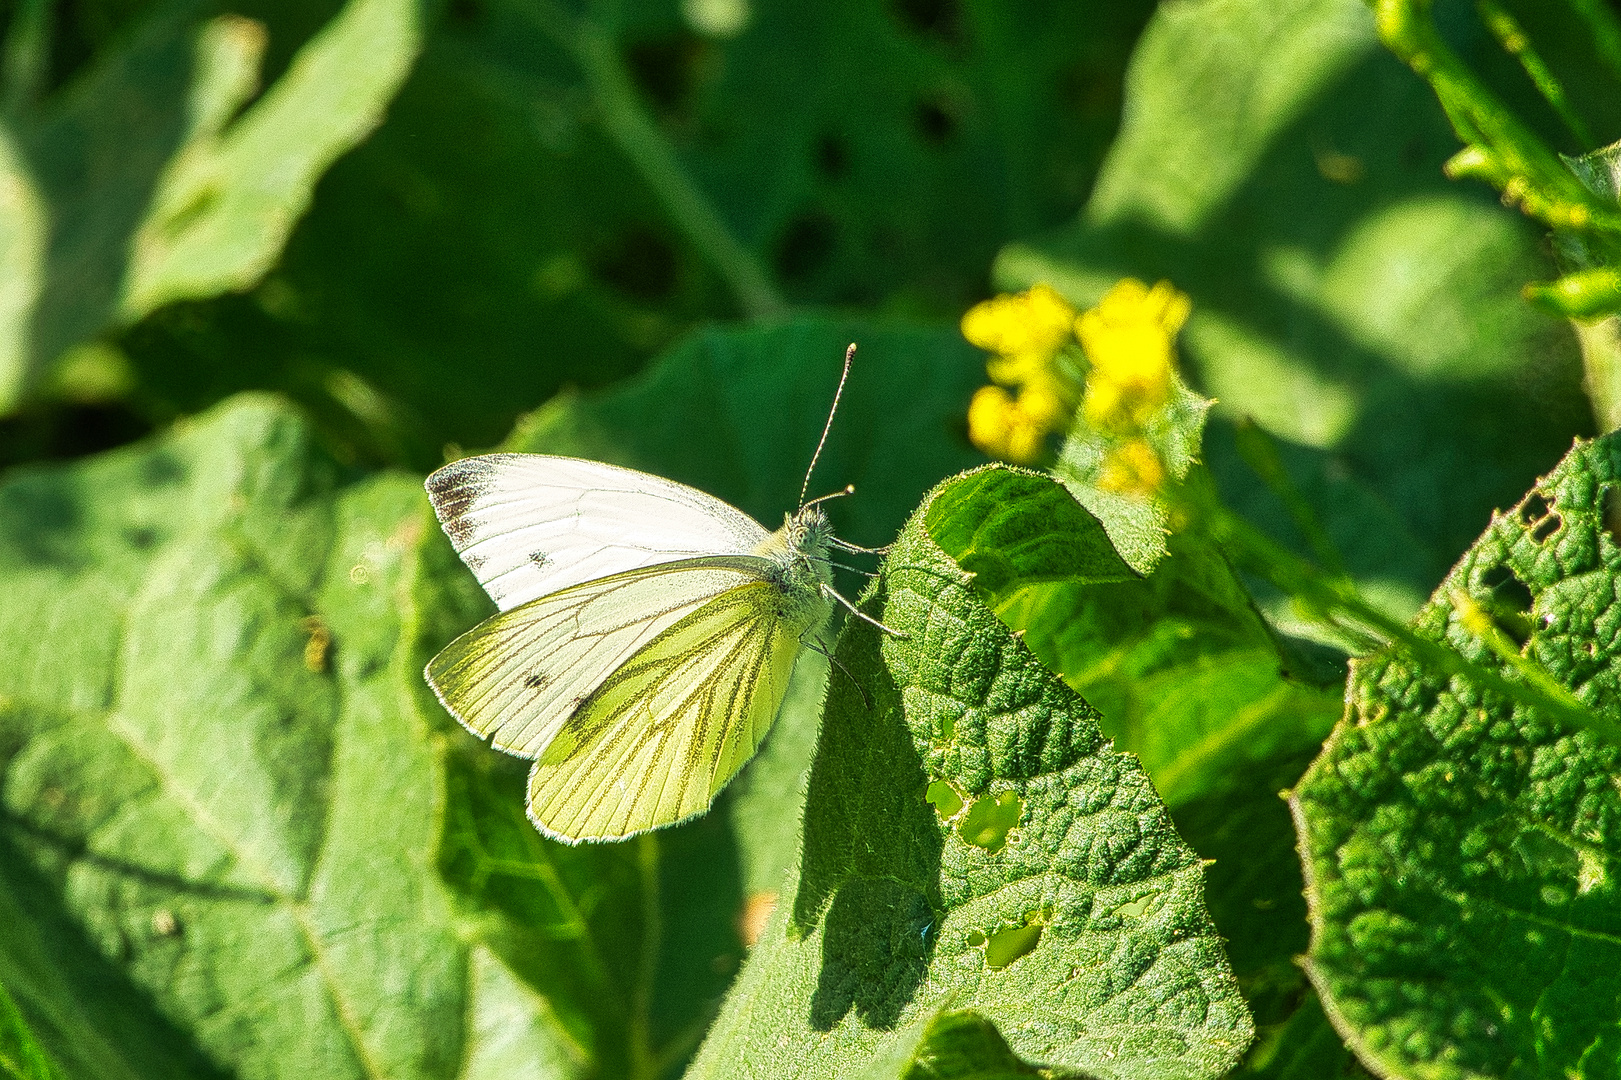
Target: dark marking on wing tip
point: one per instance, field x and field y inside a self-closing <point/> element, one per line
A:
<point x="539" y="558"/>
<point x="475" y="563"/>
<point x="454" y="488"/>
<point x="537" y="680"/>
<point x="459" y="529"/>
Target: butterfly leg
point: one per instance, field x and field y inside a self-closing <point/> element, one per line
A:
<point x="833" y="594"/>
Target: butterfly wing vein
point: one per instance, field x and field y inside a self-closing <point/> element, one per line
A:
<point x="519" y="675"/>
<point x="667" y="730"/>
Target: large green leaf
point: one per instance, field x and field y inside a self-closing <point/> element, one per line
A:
<point x="1280" y="167"/>
<point x="224" y="781"/>
<point x="1459" y="847"/>
<point x="972" y="841"/>
<point x="1184" y="674"/>
<point x="495" y="241"/>
<point x="152" y="178"/>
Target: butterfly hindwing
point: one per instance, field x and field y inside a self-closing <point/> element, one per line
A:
<point x="666" y="731"/>
<point x="519" y="675"/>
<point x="532" y="524"/>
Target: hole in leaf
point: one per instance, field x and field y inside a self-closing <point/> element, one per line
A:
<point x="1542" y="530"/>
<point x="990" y="819"/>
<point x="805" y="246"/>
<point x="1534" y="508"/>
<point x="832" y="156"/>
<point x="1136" y="909"/>
<point x="945" y="799"/>
<point x="934" y="122"/>
<point x="1509" y="603"/>
<point x="1508" y="591"/>
<point x="1005" y="946"/>
<point x="640" y="264"/>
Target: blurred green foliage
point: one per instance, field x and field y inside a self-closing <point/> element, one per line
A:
<point x="265" y="263"/>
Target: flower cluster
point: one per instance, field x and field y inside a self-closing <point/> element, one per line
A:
<point x="1026" y="333"/>
<point x="1128" y="343"/>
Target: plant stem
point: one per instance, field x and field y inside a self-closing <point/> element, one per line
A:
<point x="1600" y="342"/>
<point x="1515" y="42"/>
<point x="639" y="138"/>
<point x="1501" y="148"/>
<point x="1327" y="597"/>
<point x="1605" y="29"/>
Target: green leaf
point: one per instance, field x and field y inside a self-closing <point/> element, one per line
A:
<point x="497" y="239"/>
<point x="1079" y="931"/>
<point x="20" y="1055"/>
<point x="219" y="766"/>
<point x="959" y="1045"/>
<point x="141" y="185"/>
<point x="1280" y="167"/>
<point x="1183" y="670"/>
<point x="1185" y="675"/>
<point x="1459" y="845"/>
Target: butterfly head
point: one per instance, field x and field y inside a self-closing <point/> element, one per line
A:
<point x="799" y="550"/>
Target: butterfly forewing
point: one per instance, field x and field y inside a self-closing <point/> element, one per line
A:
<point x="518" y="676"/>
<point x="666" y="731"/>
<point x="532" y="524"/>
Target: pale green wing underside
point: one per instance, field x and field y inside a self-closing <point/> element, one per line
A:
<point x="665" y="732"/>
<point x="518" y="676"/>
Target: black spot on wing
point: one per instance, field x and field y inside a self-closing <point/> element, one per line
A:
<point x="539" y="558"/>
<point x="537" y="680"/>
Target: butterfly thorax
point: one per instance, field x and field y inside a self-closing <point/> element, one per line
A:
<point x="798" y="554"/>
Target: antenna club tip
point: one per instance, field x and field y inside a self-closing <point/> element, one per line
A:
<point x="849" y="489"/>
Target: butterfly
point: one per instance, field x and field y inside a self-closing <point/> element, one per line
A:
<point x="645" y="635"/>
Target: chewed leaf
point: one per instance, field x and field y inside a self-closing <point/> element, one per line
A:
<point x="1461" y="849"/>
<point x="1079" y="931"/>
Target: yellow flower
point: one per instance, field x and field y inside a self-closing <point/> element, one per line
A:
<point x="1002" y="426"/>
<point x="1128" y="339"/>
<point x="1132" y="468"/>
<point x="1025" y="332"/>
<point x="1028" y="328"/>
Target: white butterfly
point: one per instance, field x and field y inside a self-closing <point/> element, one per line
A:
<point x="645" y="637"/>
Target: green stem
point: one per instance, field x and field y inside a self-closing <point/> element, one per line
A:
<point x="1504" y="150"/>
<point x="1600" y="342"/>
<point x="628" y="124"/>
<point x="1327" y="597"/>
<point x="1605" y="29"/>
<point x="1515" y="42"/>
<point x="1260" y="453"/>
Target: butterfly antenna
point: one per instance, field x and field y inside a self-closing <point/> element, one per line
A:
<point x="849" y="355"/>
